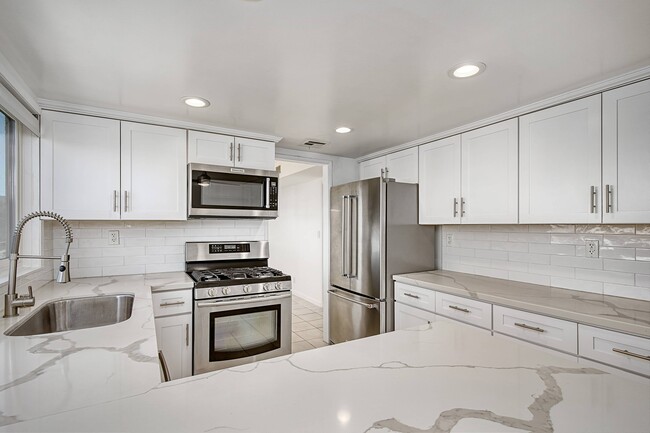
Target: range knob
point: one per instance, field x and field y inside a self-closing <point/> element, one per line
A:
<point x="266" y="287"/>
<point x="226" y="290"/>
<point x="278" y="286"/>
<point x="211" y="292"/>
<point x="247" y="289"/>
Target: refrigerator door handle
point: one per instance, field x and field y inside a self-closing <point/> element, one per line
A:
<point x="365" y="304"/>
<point x="344" y="237"/>
<point x="354" y="235"/>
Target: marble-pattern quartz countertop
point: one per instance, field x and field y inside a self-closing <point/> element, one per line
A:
<point x="619" y="314"/>
<point x="51" y="373"/>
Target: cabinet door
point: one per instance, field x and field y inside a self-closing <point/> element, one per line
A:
<point x="409" y="317"/>
<point x="80" y="166"/>
<point x="490" y="174"/>
<point x="255" y="154"/>
<point x="206" y="148"/>
<point x="626" y="154"/>
<point x="372" y="168"/>
<point x="174" y="338"/>
<point x="403" y="165"/>
<point x="559" y="164"/>
<point x="153" y="172"/>
<point x="439" y="192"/>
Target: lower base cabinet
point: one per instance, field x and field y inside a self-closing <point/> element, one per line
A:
<point x="410" y="317"/>
<point x="174" y="338"/>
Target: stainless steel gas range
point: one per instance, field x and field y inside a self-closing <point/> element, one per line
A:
<point x="242" y="308"/>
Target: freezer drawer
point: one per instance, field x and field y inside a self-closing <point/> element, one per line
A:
<point x="352" y="316"/>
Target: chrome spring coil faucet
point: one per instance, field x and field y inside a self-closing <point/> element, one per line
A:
<point x="12" y="300"/>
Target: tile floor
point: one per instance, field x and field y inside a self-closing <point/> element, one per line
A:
<point x="307" y="325"/>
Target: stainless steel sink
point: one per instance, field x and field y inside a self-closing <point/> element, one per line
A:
<point x="75" y="313"/>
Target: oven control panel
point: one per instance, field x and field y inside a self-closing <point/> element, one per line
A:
<point x="242" y="290"/>
<point x="229" y="248"/>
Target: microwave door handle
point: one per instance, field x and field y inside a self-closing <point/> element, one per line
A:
<point x="267" y="183"/>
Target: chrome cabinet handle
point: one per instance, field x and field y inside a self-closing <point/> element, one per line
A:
<point x="455" y="207"/>
<point x="594" y="199"/>
<point x="239" y="152"/>
<point x="609" y="202"/>
<point x="462" y="206"/>
<point x="411" y="296"/>
<point x="167" y="304"/>
<point x="368" y="306"/>
<point x="126" y="201"/>
<point x="163" y="366"/>
<point x="232" y="149"/>
<point x="532" y="328"/>
<point x="115" y="200"/>
<point x="464" y="310"/>
<point x="627" y="352"/>
<point x="382" y="174"/>
<point x="187" y="334"/>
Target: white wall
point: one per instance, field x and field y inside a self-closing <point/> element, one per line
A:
<point x="296" y="236"/>
<point x="344" y="170"/>
<point x="145" y="246"/>
<point x="554" y="255"/>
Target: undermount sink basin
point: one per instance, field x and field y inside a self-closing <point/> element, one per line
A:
<point x="75" y="313"/>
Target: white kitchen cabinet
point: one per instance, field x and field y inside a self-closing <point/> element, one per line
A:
<point x="401" y="166"/>
<point x="207" y="148"/>
<point x="154" y="173"/>
<point x="615" y="348"/>
<point x="257" y="154"/>
<point x="465" y="310"/>
<point x="174" y="338"/>
<point x="80" y="166"/>
<point x="439" y="191"/>
<point x="560" y="164"/>
<point x="407" y="316"/>
<point x="418" y="297"/>
<point x="489" y="171"/>
<point x="626" y="154"/>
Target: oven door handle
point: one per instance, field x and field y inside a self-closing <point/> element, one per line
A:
<point x="241" y="301"/>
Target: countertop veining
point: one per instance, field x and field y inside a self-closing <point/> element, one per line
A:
<point x="619" y="314"/>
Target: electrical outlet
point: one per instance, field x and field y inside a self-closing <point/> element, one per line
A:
<point x="450" y="239"/>
<point x="113" y="237"/>
<point x="591" y="249"/>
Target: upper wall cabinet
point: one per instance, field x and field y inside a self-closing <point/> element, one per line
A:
<point x="626" y="154"/>
<point x="90" y="172"/>
<point x="470" y="178"/>
<point x="401" y="166"/>
<point x="154" y="173"/>
<point x="559" y="165"/>
<point x="216" y="149"/>
<point x="80" y="166"/>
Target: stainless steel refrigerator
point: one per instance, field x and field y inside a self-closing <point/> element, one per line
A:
<point x="374" y="235"/>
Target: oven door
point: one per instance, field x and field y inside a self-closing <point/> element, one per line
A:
<point x="215" y="191"/>
<point x="241" y="330"/>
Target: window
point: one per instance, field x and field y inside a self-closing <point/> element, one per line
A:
<point x="6" y="159"/>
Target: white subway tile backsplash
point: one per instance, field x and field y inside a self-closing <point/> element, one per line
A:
<point x="555" y="255"/>
<point x="124" y="251"/>
<point x="108" y="271"/>
<point x="164" y="250"/>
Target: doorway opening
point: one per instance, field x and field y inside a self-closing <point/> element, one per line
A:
<point x="299" y="243"/>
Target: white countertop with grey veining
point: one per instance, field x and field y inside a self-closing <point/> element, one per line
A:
<point x="440" y="378"/>
<point x="619" y="314"/>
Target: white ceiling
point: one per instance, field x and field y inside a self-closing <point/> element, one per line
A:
<point x="300" y="68"/>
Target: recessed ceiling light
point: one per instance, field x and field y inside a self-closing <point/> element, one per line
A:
<point x="195" y="101"/>
<point x="343" y="129"/>
<point x="466" y="70"/>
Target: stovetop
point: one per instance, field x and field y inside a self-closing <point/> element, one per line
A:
<point x="237" y="276"/>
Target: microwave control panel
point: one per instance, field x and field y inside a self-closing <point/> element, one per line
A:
<point x="273" y="194"/>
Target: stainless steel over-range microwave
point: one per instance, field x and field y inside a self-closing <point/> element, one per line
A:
<point x="231" y="192"/>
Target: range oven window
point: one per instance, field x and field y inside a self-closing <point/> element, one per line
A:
<point x="212" y="190"/>
<point x="244" y="332"/>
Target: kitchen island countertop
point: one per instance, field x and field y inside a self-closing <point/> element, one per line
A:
<point x="439" y="378"/>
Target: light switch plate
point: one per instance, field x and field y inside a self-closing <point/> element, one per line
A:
<point x="113" y="237"/>
<point x="591" y="248"/>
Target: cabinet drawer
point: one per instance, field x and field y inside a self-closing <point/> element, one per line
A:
<point x="410" y="317"/>
<point x="466" y="310"/>
<point x="546" y="331"/>
<point x="609" y="347"/>
<point x="172" y="302"/>
<point x="415" y="296"/>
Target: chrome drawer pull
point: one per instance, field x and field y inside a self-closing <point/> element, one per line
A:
<point x="635" y="355"/>
<point x="532" y="328"/>
<point x="167" y="304"/>
<point x="411" y="296"/>
<point x="464" y="310"/>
